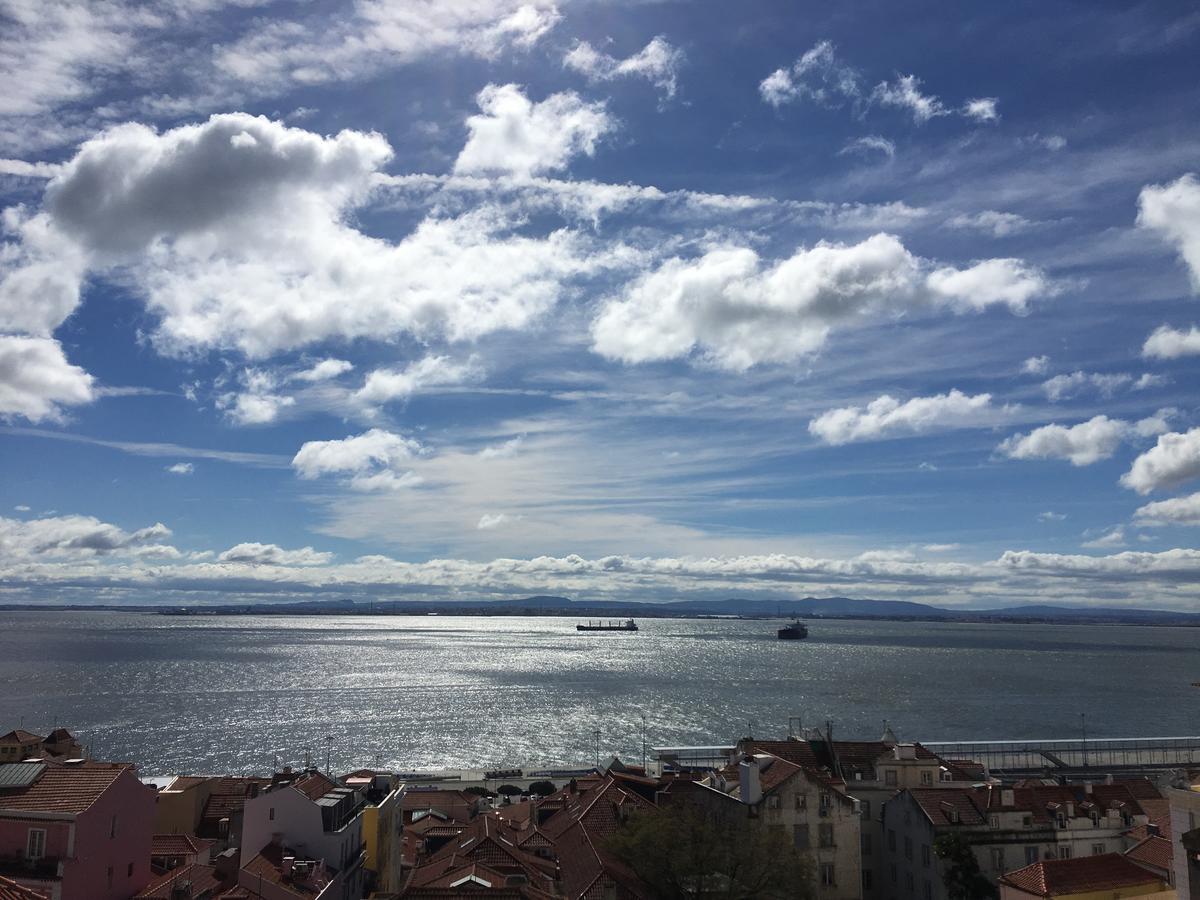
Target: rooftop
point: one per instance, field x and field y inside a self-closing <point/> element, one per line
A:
<point x="61" y="788"/>
<point x="1084" y="874"/>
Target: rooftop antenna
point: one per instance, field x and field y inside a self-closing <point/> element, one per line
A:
<point x="307" y="758"/>
<point x="795" y="728"/>
<point x="328" y="752"/>
<point x="596" y="738"/>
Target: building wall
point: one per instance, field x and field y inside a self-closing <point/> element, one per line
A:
<point x="381" y="833"/>
<point x="909" y="870"/>
<point x="178" y="812"/>
<point x="796" y="806"/>
<point x="1185" y="817"/>
<point x="101" y="849"/>
<point x="297" y="822"/>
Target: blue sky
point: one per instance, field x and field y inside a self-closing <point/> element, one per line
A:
<point x="630" y="300"/>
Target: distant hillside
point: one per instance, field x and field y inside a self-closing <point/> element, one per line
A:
<point x="808" y="607"/>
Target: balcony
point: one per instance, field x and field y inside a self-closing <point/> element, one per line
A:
<point x="47" y="868"/>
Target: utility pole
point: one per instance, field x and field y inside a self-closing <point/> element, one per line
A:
<point x="643" y="742"/>
<point x="328" y="753"/>
<point x="596" y="738"/>
<point x="1083" y="728"/>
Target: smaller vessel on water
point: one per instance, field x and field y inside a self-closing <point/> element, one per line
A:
<point x="793" y="631"/>
<point x="627" y="625"/>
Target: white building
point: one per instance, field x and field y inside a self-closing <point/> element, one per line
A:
<point x="314" y="816"/>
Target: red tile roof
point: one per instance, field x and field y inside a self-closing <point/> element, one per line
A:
<point x="10" y="890"/>
<point x="268" y="866"/>
<point x="20" y="736"/>
<point x="65" y="789"/>
<point x="202" y="878"/>
<point x="1084" y="874"/>
<point x="951" y="806"/>
<point x="177" y="845"/>
<point x="1154" y="851"/>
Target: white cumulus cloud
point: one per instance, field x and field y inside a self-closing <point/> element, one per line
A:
<point x="1171" y="343"/>
<point x="258" y="554"/>
<point x="236" y="232"/>
<point x="1083" y="444"/>
<point x="658" y="62"/>
<point x="739" y="311"/>
<point x="383" y="385"/>
<point x="1061" y="387"/>
<point x="36" y="381"/>
<point x="981" y="109"/>
<point x="1176" y="511"/>
<point x="818" y="76"/>
<point x="374" y="460"/>
<point x="1035" y="365"/>
<point x="514" y="135"/>
<point x="325" y="370"/>
<point x="1175" y="459"/>
<point x="181" y="468"/>
<point x="887" y="417"/>
<point x="1173" y="211"/>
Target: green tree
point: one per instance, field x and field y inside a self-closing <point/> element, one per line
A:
<point x="683" y="851"/>
<point x="479" y="791"/>
<point x="960" y="870"/>
<point x="542" y="788"/>
<point x="509" y="790"/>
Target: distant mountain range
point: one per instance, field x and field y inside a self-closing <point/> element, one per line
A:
<point x="808" y="607"/>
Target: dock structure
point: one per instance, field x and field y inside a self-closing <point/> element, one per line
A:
<point x="1079" y="755"/>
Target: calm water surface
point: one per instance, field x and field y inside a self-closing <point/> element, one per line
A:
<point x="226" y="694"/>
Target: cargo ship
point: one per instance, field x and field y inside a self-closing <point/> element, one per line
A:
<point x="627" y="625"/>
<point x="793" y="631"/>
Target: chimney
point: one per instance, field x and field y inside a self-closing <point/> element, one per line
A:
<point x="1087" y="788"/>
<point x="1008" y="797"/>
<point x="286" y="866"/>
<point x="751" y="785"/>
<point x="226" y="863"/>
<point x="1152" y="829"/>
<point x="1108" y="779"/>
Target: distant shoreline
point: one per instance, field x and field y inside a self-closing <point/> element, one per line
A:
<point x="992" y="617"/>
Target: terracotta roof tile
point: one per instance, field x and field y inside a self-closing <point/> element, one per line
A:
<point x="202" y="878"/>
<point x="64" y="789"/>
<point x="1154" y="851"/>
<point x="177" y="845"/>
<point x="10" y="890"/>
<point x="1085" y="874"/>
<point x="20" y="736"/>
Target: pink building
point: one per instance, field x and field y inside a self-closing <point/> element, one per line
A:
<point x="78" y="830"/>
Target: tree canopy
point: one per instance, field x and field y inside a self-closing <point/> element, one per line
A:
<point x="960" y="870"/>
<point x="681" y="851"/>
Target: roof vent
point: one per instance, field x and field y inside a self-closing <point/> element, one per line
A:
<point x="73" y="762"/>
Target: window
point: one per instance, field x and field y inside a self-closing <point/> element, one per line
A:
<point x="826" y="803"/>
<point x="271" y="814"/>
<point x="998" y="859"/>
<point x="129" y="871"/>
<point x="35" y="843"/>
<point x="908" y="881"/>
<point x="800" y="837"/>
<point x="864" y="807"/>
<point x="828" y="875"/>
<point x="907" y="847"/>
<point x="774" y="802"/>
<point x="1097" y="849"/>
<point x="926" y="777"/>
<point x="994" y="821"/>
<point x="926" y="856"/>
<point x="866" y="845"/>
<point x="801" y="801"/>
<point x="1027" y="822"/>
<point x="110" y="874"/>
<point x="825" y="835"/>
<point x="889" y="777"/>
<point x="1031" y="855"/>
<point x="928" y="889"/>
<point x="112" y="828"/>
<point x="892" y="872"/>
<point x="866" y="879"/>
<point x="1064" y="852"/>
<point x="891" y="840"/>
